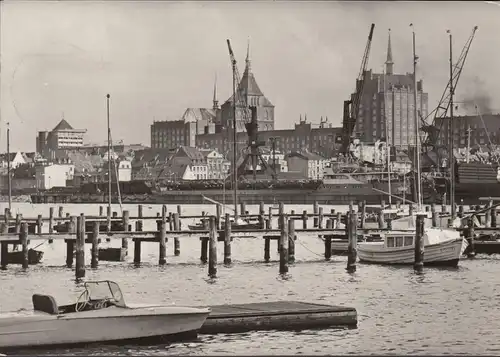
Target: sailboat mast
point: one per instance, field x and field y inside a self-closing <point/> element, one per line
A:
<point x="387" y="145"/>
<point x="417" y="126"/>
<point x="9" y="185"/>
<point x="452" y="141"/>
<point x="109" y="152"/>
<point x="235" y="147"/>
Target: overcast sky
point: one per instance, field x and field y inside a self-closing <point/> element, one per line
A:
<point x="158" y="58"/>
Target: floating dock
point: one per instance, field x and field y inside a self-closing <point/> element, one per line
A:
<point x="277" y="315"/>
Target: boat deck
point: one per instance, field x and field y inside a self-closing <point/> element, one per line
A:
<point x="277" y="315"/>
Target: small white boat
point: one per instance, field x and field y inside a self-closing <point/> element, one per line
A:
<point x="441" y="247"/>
<point x="99" y="315"/>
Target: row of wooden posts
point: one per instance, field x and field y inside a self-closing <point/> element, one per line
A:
<point x="286" y="239"/>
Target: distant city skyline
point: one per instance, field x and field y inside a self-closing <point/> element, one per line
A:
<point x="158" y="58"/>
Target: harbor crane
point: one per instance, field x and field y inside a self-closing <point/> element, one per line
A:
<point x="351" y="106"/>
<point x="240" y="100"/>
<point x="431" y="130"/>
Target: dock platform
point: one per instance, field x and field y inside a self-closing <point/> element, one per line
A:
<point x="277" y="315"/>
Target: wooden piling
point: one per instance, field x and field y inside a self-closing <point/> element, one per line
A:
<point x="284" y="244"/>
<point x="262" y="210"/>
<point x="304" y="219"/>
<point x="139" y="211"/>
<point x="419" y="243"/>
<point x="493" y="213"/>
<point x="23" y="238"/>
<point x="291" y="240"/>
<point x="227" y="240"/>
<point x="267" y="249"/>
<point x="338" y="220"/>
<point x="6" y="216"/>
<point x="316" y="213"/>
<point x="434" y="215"/>
<point x="94" y="251"/>
<point x="137" y="244"/>
<point x="443" y="204"/>
<point x="411" y="209"/>
<point x="320" y="217"/>
<point x="270" y="217"/>
<point x="80" y="248"/>
<point x="352" y="236"/>
<point x="108" y="219"/>
<point x="60" y="212"/>
<point x="163" y="237"/>
<point x="70" y="244"/>
<point x="101" y="211"/>
<point x="281" y="211"/>
<point x="460" y="211"/>
<point x="126" y="228"/>
<point x="212" y="252"/>
<point x="204" y="243"/>
<point x="328" y="240"/>
<point x="4" y="246"/>
<point x="381" y="220"/>
<point x="19" y="218"/>
<point x="39" y="224"/>
<point x="487" y="216"/>
<point x="243" y="208"/>
<point x="51" y="220"/>
<point x="471" y="249"/>
<point x="363" y="214"/>
<point x="177" y="227"/>
<point x="218" y="213"/>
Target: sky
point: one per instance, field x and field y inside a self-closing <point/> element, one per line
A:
<point x="158" y="58"/>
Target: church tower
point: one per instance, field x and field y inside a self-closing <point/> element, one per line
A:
<point x="254" y="97"/>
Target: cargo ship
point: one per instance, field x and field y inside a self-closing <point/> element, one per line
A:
<point x="334" y="188"/>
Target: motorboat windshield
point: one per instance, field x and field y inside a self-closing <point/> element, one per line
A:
<point x="105" y="290"/>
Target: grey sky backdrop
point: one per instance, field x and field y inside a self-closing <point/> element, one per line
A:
<point x="158" y="58"/>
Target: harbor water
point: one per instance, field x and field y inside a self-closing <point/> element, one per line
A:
<point x="442" y="311"/>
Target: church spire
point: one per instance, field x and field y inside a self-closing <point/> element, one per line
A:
<point x="389" y="63"/>
<point x="247" y="60"/>
<point x="215" y="101"/>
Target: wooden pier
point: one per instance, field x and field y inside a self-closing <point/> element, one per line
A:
<point x="336" y="229"/>
<point x="278" y="315"/>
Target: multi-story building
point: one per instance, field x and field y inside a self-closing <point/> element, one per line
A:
<point x="191" y="156"/>
<point x="469" y="130"/>
<point x="250" y="90"/>
<point x="55" y="144"/>
<point x="323" y="139"/>
<point x="54" y="175"/>
<point x="387" y="106"/>
<point x="217" y="165"/>
<point x="309" y="164"/>
<point x="171" y="134"/>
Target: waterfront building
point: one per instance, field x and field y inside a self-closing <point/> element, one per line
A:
<point x="311" y="165"/>
<point x="55" y="144"/>
<point x="54" y="174"/>
<point x="323" y="139"/>
<point x="469" y="130"/>
<point x="192" y="157"/>
<point x="388" y="100"/>
<point x="16" y="159"/>
<point x="217" y="165"/>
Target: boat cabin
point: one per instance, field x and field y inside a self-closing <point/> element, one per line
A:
<point x="399" y="240"/>
<point x="95" y="296"/>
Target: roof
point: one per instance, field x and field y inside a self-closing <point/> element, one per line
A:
<point x="63" y="125"/>
<point x="248" y="86"/>
<point x="85" y="163"/>
<point x="306" y="155"/>
<point x="196" y="114"/>
<point x="172" y="171"/>
<point x="152" y="157"/>
<point x="190" y="152"/>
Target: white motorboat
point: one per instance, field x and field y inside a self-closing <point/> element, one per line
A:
<point x="441" y="247"/>
<point x="99" y="315"/>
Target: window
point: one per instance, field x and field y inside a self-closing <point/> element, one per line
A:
<point x="408" y="241"/>
<point x="399" y="241"/>
<point x="390" y="242"/>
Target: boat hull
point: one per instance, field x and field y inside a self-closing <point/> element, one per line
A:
<point x="108" y="325"/>
<point x="445" y="254"/>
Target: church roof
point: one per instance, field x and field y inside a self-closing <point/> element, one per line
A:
<point x="196" y="114"/>
<point x="248" y="86"/>
<point x="63" y="125"/>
